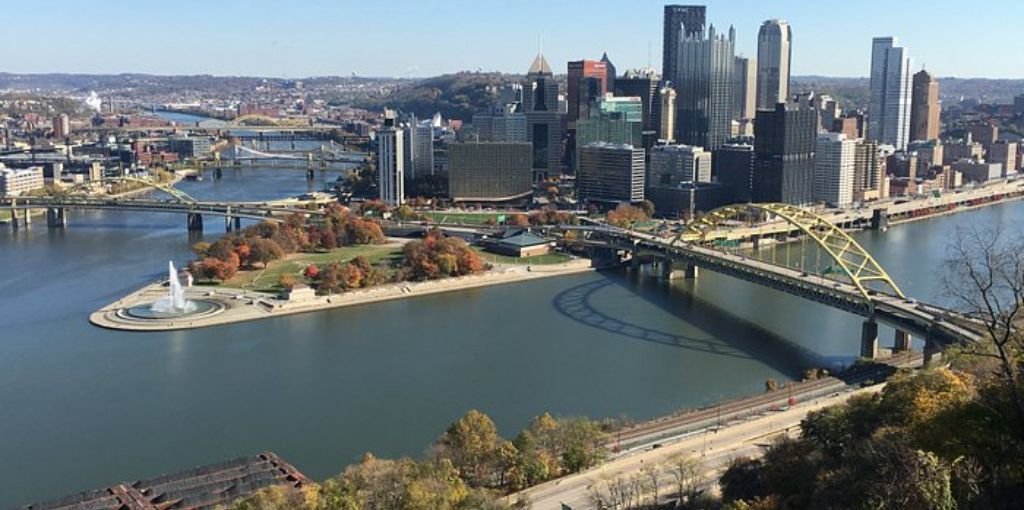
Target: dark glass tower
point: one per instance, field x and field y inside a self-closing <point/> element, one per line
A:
<point x="784" y="140"/>
<point x="704" y="88"/>
<point x="543" y="119"/>
<point x="681" y="21"/>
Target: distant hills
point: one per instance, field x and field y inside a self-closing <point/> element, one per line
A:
<point x="457" y="95"/>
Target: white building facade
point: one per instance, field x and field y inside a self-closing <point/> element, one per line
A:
<point x="834" y="169"/>
<point x="391" y="161"/>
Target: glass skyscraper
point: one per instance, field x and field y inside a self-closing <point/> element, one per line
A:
<point x="704" y="88"/>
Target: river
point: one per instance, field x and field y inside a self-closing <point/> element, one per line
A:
<point x="84" y="407"/>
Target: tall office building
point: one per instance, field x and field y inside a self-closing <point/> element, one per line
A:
<point x="504" y="124"/>
<point x="667" y="122"/>
<point x="784" y="143"/>
<point x="681" y="21"/>
<point x="671" y="165"/>
<point x="586" y="81"/>
<point x="61" y="127"/>
<point x="834" y="163"/>
<point x="733" y="166"/>
<point x="610" y="75"/>
<point x="643" y="84"/>
<point x="490" y="171"/>
<point x="610" y="173"/>
<point x="419" y="161"/>
<point x="704" y="83"/>
<point x="869" y="171"/>
<point x="924" y="107"/>
<point x="1004" y="152"/>
<point x="889" y="111"/>
<point x="614" y="120"/>
<point x="745" y="88"/>
<point x="391" y="161"/>
<point x="543" y="118"/>
<point x="774" y="53"/>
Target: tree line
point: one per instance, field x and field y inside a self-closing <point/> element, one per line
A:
<point x="468" y="468"/>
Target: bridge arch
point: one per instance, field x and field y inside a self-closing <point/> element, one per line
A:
<point x="176" y="193"/>
<point x="853" y="260"/>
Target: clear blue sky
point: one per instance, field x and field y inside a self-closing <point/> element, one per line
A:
<point x="297" y="38"/>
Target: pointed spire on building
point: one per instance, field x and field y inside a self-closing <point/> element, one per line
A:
<point x="540" y="65"/>
<point x="610" y="72"/>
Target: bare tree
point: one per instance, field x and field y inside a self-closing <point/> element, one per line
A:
<point x="985" y="278"/>
<point x="689" y="475"/>
<point x="653" y="472"/>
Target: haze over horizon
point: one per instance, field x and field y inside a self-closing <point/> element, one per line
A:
<point x="413" y="39"/>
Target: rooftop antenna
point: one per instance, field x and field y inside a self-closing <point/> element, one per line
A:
<point x="649" y="66"/>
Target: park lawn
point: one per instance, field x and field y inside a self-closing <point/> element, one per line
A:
<point x="295" y="263"/>
<point x="548" y="258"/>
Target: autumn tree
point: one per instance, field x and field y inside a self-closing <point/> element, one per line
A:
<point x="472" y="444"/>
<point x="263" y="251"/>
<point x="625" y="216"/>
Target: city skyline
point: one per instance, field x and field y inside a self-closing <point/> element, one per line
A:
<point x="505" y="37"/>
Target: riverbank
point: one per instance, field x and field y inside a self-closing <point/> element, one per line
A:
<point x="239" y="305"/>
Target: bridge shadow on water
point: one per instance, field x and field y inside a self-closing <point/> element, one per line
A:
<point x="725" y="334"/>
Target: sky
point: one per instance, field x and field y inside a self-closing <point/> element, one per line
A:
<point x="414" y="38"/>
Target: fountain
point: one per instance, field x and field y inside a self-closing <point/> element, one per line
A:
<point x="174" y="302"/>
<point x="172" y="306"/>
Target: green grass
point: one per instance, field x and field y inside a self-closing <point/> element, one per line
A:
<point x="267" y="279"/>
<point x="548" y="258"/>
<point x="467" y="218"/>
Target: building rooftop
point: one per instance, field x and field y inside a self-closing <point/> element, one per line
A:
<point x="540" y="65"/>
<point x="523" y="239"/>
<point x="202" y="488"/>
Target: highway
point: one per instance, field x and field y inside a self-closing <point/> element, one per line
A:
<point x="714" y="448"/>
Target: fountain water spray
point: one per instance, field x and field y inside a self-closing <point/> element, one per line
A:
<point x="174" y="301"/>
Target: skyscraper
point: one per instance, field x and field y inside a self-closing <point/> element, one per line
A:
<point x="543" y="120"/>
<point x="774" y="53"/>
<point x="681" y="21"/>
<point x="733" y="165"/>
<point x="784" y="143"/>
<point x="643" y="84"/>
<point x="671" y="165"/>
<point x="704" y="84"/>
<point x="586" y="81"/>
<point x="889" y="111"/>
<point x="924" y="107"/>
<point x="609" y="67"/>
<point x="391" y="161"/>
<point x="611" y="173"/>
<point x="667" y="113"/>
<point x="744" y="88"/>
<point x="834" y="163"/>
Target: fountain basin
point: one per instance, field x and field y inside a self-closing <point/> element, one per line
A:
<point x="145" y="312"/>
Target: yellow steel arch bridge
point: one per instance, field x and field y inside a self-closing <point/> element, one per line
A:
<point x="848" y="256"/>
<point x="175" y="193"/>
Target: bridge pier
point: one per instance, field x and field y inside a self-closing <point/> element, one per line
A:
<point x="901" y="342"/>
<point x="310" y="174"/>
<point x="218" y="174"/>
<point x="195" y="222"/>
<point x="56" y="217"/>
<point x="691" y="271"/>
<point x="869" y="339"/>
<point x="238" y="223"/>
<point x="880" y="220"/>
<point x="668" y="272"/>
<point x="932" y="352"/>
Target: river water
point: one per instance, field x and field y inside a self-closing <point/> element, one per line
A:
<point x="82" y="407"/>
